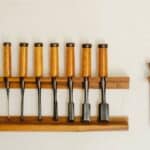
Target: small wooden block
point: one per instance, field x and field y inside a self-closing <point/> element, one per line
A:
<point x="112" y="82"/>
<point x="31" y="123"/>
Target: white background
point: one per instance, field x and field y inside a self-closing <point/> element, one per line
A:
<point x="124" y="24"/>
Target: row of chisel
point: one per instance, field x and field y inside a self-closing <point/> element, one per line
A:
<point x="103" y="114"/>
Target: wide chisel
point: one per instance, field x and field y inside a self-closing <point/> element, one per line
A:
<point x="70" y="71"/>
<point x="103" y="73"/>
<point x="86" y="73"/>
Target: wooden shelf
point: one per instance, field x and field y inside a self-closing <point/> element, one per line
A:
<point x="47" y="124"/>
<point x="112" y="82"/>
<point x="31" y="123"/>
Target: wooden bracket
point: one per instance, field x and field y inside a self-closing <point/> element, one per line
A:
<point x="47" y="124"/>
<point x="112" y="82"/>
<point x="31" y="123"/>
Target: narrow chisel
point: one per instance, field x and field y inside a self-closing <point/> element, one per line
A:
<point x="7" y="71"/>
<point x="38" y="66"/>
<point x="23" y="73"/>
<point x="103" y="73"/>
<point x="54" y="71"/>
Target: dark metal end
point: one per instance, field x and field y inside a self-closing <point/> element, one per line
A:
<point x="70" y="44"/>
<point x="21" y="118"/>
<point x="23" y="44"/>
<point x="71" y="115"/>
<point x="55" y="118"/>
<point x="86" y="111"/>
<point x="86" y="45"/>
<point x="54" y="44"/>
<point x="102" y="45"/>
<point x="38" y="44"/>
<point x="103" y="112"/>
<point x="8" y="117"/>
<point x="40" y="118"/>
<point x="7" y="44"/>
<point x="55" y="115"/>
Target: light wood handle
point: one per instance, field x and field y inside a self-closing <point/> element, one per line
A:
<point x="70" y="65"/>
<point x="86" y="60"/>
<point x="23" y="59"/>
<point x="103" y="64"/>
<point x="54" y="66"/>
<point x="38" y="59"/>
<point x="7" y="59"/>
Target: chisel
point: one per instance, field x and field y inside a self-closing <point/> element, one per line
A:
<point x="38" y="66"/>
<point x="70" y="70"/>
<point x="7" y="70"/>
<point x="54" y="68"/>
<point x="103" y="73"/>
<point x="23" y="73"/>
<point x="86" y="73"/>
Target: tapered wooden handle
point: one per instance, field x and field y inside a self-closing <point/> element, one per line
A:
<point x="38" y="59"/>
<point x="54" y="66"/>
<point x="103" y="64"/>
<point x="7" y="59"/>
<point x="86" y="60"/>
<point x="23" y="59"/>
<point x="70" y="65"/>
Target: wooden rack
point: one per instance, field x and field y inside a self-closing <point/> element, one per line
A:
<point x="47" y="124"/>
<point x="112" y="82"/>
<point x="31" y="123"/>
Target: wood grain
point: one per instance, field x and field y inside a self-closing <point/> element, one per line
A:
<point x="38" y="61"/>
<point x="86" y="62"/>
<point x="54" y="65"/>
<point x="103" y="62"/>
<point x="23" y="61"/>
<point x="31" y="123"/>
<point x="7" y="59"/>
<point x="112" y="82"/>
<point x="70" y="62"/>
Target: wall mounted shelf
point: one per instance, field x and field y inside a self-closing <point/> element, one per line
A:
<point x="47" y="124"/>
<point x="112" y="82"/>
<point x="31" y="123"/>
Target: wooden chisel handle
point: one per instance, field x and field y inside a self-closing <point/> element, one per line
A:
<point x="86" y="60"/>
<point x="54" y="65"/>
<point x="70" y="65"/>
<point x="23" y="59"/>
<point x="103" y="64"/>
<point x="38" y="59"/>
<point x="7" y="59"/>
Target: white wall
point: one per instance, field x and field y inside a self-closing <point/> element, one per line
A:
<point x="124" y="24"/>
